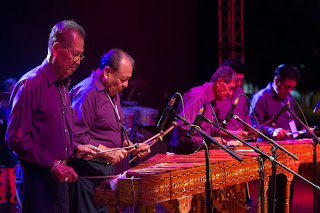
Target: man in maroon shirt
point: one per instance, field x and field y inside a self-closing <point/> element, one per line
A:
<point x="40" y="125"/>
<point x="221" y="86"/>
<point x="99" y="122"/>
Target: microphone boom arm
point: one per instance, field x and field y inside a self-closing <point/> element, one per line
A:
<point x="265" y="137"/>
<point x="204" y="134"/>
<point x="262" y="154"/>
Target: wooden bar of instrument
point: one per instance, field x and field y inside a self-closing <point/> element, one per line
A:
<point x="167" y="177"/>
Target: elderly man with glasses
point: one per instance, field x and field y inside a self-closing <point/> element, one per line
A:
<point x="268" y="102"/>
<point x="99" y="122"/>
<point x="40" y="125"/>
<point x="220" y="87"/>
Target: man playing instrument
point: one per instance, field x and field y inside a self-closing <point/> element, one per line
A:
<point x="266" y="104"/>
<point x="99" y="122"/>
<point x="40" y="124"/>
<point x="220" y="87"/>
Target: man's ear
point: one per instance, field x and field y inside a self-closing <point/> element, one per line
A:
<point x="55" y="49"/>
<point x="276" y="81"/>
<point x="219" y="82"/>
<point x="106" y="71"/>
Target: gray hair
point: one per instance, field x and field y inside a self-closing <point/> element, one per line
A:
<point x="224" y="72"/>
<point x="113" y="58"/>
<point x="61" y="32"/>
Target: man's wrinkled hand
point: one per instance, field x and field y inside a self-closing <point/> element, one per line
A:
<point x="234" y="143"/>
<point x="144" y="149"/>
<point x="113" y="156"/>
<point x="240" y="134"/>
<point x="87" y="152"/>
<point x="280" y="134"/>
<point x="64" y="173"/>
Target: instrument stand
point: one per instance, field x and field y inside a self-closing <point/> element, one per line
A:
<point x="261" y="160"/>
<point x="208" y="140"/>
<point x="316" y="141"/>
<point x="209" y="199"/>
<point x="315" y="176"/>
<point x="273" y="186"/>
<point x="264" y="155"/>
<point x="315" y="187"/>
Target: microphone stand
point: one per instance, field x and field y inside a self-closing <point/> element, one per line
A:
<point x="208" y="140"/>
<point x="316" y="141"/>
<point x="274" y="150"/>
<point x="274" y="118"/>
<point x="261" y="159"/>
<point x="281" y="148"/>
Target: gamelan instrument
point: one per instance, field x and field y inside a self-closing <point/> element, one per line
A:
<point x="165" y="178"/>
<point x="151" y="141"/>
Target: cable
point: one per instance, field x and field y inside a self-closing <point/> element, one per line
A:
<point x="254" y="114"/>
<point x="222" y="140"/>
<point x="305" y="120"/>
<point x="182" y="104"/>
<point x="255" y="117"/>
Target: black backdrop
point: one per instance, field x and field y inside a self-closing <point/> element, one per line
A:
<point x="174" y="43"/>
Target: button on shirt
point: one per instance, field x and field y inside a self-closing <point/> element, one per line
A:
<point x="97" y="122"/>
<point x="38" y="130"/>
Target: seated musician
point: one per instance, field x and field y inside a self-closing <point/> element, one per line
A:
<point x="220" y="87"/>
<point x="96" y="102"/>
<point x="266" y="104"/>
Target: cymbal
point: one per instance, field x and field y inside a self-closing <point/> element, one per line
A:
<point x="138" y="83"/>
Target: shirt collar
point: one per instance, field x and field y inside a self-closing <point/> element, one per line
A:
<point x="96" y="81"/>
<point x="209" y="92"/>
<point x="51" y="74"/>
<point x="271" y="93"/>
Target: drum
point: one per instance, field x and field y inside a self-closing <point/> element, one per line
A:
<point x="145" y="116"/>
<point x="128" y="115"/>
<point x="7" y="186"/>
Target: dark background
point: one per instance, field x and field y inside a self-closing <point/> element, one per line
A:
<point x="174" y="43"/>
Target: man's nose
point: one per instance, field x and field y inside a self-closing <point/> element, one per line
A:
<point x="230" y="93"/>
<point x="126" y="83"/>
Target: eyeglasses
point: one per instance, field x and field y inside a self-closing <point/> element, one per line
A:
<point x="230" y="87"/>
<point x="75" y="58"/>
<point x="287" y="87"/>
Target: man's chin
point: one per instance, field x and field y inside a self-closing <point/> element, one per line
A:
<point x="70" y="71"/>
<point x="282" y="96"/>
<point x="221" y="99"/>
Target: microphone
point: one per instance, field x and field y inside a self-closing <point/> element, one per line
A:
<point x="317" y="109"/>
<point x="166" y="113"/>
<point x="196" y="121"/>
<point x="230" y="113"/>
<point x="284" y="108"/>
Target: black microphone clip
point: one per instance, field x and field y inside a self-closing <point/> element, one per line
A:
<point x="166" y="113"/>
<point x="230" y="113"/>
<point x="196" y="122"/>
<point x="284" y="108"/>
